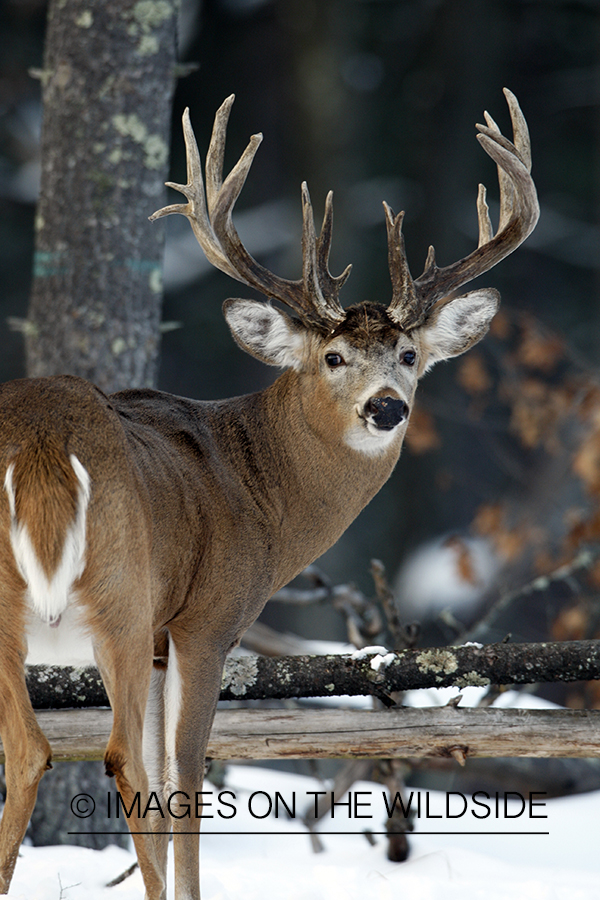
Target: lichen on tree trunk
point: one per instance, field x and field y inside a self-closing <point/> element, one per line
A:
<point x="107" y="81"/>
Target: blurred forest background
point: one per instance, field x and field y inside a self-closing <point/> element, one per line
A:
<point x="377" y="100"/>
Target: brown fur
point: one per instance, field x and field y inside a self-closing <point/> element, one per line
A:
<point x="367" y="323"/>
<point x="114" y="763"/>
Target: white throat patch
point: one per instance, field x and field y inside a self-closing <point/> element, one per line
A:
<point x="369" y="440"/>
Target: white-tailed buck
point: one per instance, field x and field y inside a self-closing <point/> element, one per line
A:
<point x="160" y="526"/>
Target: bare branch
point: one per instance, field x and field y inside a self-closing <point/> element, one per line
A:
<point x="364" y="673"/>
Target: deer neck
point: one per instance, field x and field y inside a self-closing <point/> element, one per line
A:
<point x="319" y="484"/>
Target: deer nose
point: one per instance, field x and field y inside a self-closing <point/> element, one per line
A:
<point x="386" y="412"/>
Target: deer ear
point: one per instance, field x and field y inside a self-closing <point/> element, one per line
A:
<point x="458" y="325"/>
<point x="266" y="333"/>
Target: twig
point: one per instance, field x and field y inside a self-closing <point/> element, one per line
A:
<point x="481" y="630"/>
<point x="363" y="621"/>
<point x="122" y="876"/>
<point x="386" y="598"/>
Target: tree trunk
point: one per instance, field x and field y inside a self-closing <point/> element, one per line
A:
<point x="107" y="86"/>
<point x="108" y="80"/>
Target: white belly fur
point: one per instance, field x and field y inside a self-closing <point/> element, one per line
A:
<point x="67" y="644"/>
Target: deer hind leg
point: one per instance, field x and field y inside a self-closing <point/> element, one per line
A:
<point x="27" y="752"/>
<point x="191" y="693"/>
<point x="126" y="670"/>
<point x="155" y="758"/>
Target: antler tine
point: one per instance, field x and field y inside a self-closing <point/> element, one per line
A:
<point x="323" y="248"/>
<point x="404" y="303"/>
<point x="321" y="288"/>
<point x="504" y="182"/>
<point x="195" y="209"/>
<point x="520" y="130"/>
<point x="518" y="217"/>
<point x="216" y="153"/>
<point x="486" y="230"/>
<point x="521" y="145"/>
<point x="314" y="297"/>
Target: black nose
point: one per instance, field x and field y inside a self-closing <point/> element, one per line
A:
<point x="386" y="412"/>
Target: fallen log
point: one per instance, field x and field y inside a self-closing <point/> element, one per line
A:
<point x="438" y="732"/>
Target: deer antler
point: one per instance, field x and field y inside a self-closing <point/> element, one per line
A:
<point x="314" y="297"/>
<point x="413" y="301"/>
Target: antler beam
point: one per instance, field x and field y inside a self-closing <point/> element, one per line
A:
<point x="314" y="297"/>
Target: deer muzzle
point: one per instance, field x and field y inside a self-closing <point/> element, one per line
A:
<point x="385" y="412"/>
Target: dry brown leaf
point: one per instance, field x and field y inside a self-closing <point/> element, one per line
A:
<point x="489" y="522"/>
<point x="539" y="351"/>
<point x="501" y="326"/>
<point x="463" y="555"/>
<point x="473" y="375"/>
<point x="586" y="462"/>
<point x="537" y="409"/>
<point x="422" y="435"/>
<point x="571" y="624"/>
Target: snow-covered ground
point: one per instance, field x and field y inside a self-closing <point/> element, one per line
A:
<point x="276" y="861"/>
<point x="256" y="856"/>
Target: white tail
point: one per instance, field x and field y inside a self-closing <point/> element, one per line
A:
<point x="168" y="523"/>
<point x="49" y="593"/>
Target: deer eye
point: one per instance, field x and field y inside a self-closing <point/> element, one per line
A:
<point x="409" y="358"/>
<point x="334" y="360"/>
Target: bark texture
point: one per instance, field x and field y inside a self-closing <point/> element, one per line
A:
<point x="108" y="80"/>
<point x="361" y="673"/>
<point x="433" y="733"/>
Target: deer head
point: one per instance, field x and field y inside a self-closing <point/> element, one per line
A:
<point x="368" y="357"/>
